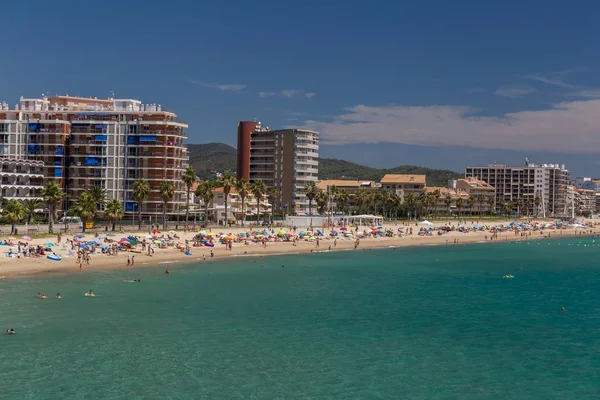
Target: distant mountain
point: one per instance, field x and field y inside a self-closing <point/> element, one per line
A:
<point x="212" y="157"/>
<point x="330" y="168"/>
<point x="218" y="157"/>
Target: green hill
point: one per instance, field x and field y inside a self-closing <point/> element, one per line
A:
<point x="218" y="157"/>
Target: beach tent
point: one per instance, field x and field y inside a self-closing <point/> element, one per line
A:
<point x="426" y="223"/>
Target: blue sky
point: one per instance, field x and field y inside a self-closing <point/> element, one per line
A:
<point x="460" y="78"/>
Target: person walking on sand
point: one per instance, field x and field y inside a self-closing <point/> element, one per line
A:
<point x="128" y="260"/>
<point x="132" y="260"/>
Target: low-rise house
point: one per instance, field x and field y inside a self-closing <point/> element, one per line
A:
<point x="403" y="184"/>
<point x="235" y="213"/>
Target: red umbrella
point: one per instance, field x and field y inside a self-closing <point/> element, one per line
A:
<point x="343" y="229"/>
<point x="155" y="231"/>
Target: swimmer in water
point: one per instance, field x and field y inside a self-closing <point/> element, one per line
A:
<point x="43" y="296"/>
<point x="10" y="331"/>
<point x="58" y="296"/>
<point x="39" y="294"/>
<point x="167" y="271"/>
<point x="90" y="292"/>
<point x="562" y="309"/>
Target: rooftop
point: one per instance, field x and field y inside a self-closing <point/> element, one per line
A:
<point x="403" y="178"/>
<point x="477" y="183"/>
<point x="343" y="183"/>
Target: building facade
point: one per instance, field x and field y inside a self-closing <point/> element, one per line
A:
<point x="21" y="179"/>
<point x="235" y="212"/>
<point x="87" y="142"/>
<point x="285" y="159"/>
<point x="547" y="182"/>
<point x="403" y="184"/>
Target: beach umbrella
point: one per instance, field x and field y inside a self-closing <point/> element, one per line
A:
<point x="26" y="238"/>
<point x="79" y="236"/>
<point x="289" y="235"/>
<point x="131" y="237"/>
<point x="49" y="244"/>
<point x="158" y="241"/>
<point x="202" y="232"/>
<point x="155" y="231"/>
<point x="210" y="234"/>
<point x="100" y="237"/>
<point x="281" y="232"/>
<point x="83" y="246"/>
<point x="343" y="228"/>
<point x="91" y="243"/>
<point x="334" y="232"/>
<point x="302" y="234"/>
<point x="110" y="234"/>
<point x="228" y="237"/>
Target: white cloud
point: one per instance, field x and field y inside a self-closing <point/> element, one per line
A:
<point x="568" y="127"/>
<point x="515" y="91"/>
<point x="235" y="87"/>
<point x="556" y="78"/>
<point x="289" y="93"/>
<point x="587" y="93"/>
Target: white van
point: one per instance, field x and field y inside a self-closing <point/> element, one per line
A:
<point x="70" y="221"/>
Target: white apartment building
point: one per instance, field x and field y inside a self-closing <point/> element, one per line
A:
<point x="110" y="143"/>
<point x="21" y="179"/>
<point x="548" y="182"/>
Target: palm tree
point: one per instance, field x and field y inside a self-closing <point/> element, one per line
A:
<point x="508" y="206"/>
<point x="274" y="194"/>
<point x="448" y="202"/>
<point x="259" y="190"/>
<point x="459" y="205"/>
<point x="480" y="200"/>
<point x="520" y="206"/>
<point x="99" y="195"/>
<point x="228" y="182"/>
<point x="188" y="178"/>
<point x="141" y="192"/>
<point x="538" y="202"/>
<point x="167" y="192"/>
<point x="243" y="188"/>
<point x="310" y="191"/>
<point x="114" y="212"/>
<point x="52" y="195"/>
<point x="321" y="199"/>
<point x="13" y="212"/>
<point x="411" y="203"/>
<point x="30" y="206"/>
<point x="471" y="202"/>
<point x="341" y="199"/>
<point x="205" y="192"/>
<point x="85" y="208"/>
<point x="491" y="201"/>
<point x="528" y="205"/>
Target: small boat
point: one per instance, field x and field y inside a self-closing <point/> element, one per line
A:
<point x="53" y="257"/>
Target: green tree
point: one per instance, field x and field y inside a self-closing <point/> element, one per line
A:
<point x="52" y="195"/>
<point x="321" y="199"/>
<point x="274" y="195"/>
<point x="411" y="204"/>
<point x="205" y="192"/>
<point x="141" y="192"/>
<point x="188" y="178"/>
<point x="114" y="212"/>
<point x="341" y="199"/>
<point x="31" y="206"/>
<point x="259" y="190"/>
<point x="14" y="212"/>
<point x="228" y="182"/>
<point x="471" y="202"/>
<point x="528" y="206"/>
<point x="537" y="201"/>
<point x="167" y="192"/>
<point x="243" y="188"/>
<point x="459" y="205"/>
<point x="520" y="203"/>
<point x="448" y="202"/>
<point x="85" y="208"/>
<point x="99" y="195"/>
<point x="480" y="200"/>
<point x="508" y="207"/>
<point x="310" y="190"/>
<point x="491" y="200"/>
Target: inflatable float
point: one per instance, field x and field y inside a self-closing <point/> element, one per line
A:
<point x="509" y="276"/>
<point x="209" y="244"/>
<point x="89" y="295"/>
<point x="53" y="257"/>
<point x="130" y="281"/>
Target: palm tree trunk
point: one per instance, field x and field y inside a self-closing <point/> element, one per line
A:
<point x="114" y="226"/>
<point x="243" y="214"/>
<point x="12" y="229"/>
<point x="51" y="219"/>
<point x="257" y="211"/>
<point x="226" y="206"/>
<point x="140" y="218"/>
<point x="206" y="214"/>
<point x="165" y="216"/>
<point x="187" y="206"/>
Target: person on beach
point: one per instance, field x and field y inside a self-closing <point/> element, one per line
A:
<point x="132" y="260"/>
<point x="128" y="260"/>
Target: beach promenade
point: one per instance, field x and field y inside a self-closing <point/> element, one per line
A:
<point x="246" y="242"/>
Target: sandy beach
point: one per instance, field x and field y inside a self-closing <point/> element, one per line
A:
<point x="13" y="267"/>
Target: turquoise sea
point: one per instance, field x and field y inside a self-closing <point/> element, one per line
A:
<point x="432" y="322"/>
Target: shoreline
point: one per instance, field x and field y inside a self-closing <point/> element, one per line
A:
<point x="171" y="258"/>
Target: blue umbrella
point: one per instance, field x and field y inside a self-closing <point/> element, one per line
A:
<point x="79" y="236"/>
<point x="91" y="243"/>
<point x="83" y="246"/>
<point x="111" y="234"/>
<point x="49" y="244"/>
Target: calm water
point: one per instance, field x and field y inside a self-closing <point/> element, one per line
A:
<point x="423" y="323"/>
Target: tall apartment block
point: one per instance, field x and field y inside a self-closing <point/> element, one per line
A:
<point x="285" y="159"/>
<point x="547" y="181"/>
<point x="86" y="142"/>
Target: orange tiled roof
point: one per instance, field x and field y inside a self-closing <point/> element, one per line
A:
<point x="403" y="178"/>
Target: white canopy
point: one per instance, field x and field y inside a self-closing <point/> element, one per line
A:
<point x="426" y="223"/>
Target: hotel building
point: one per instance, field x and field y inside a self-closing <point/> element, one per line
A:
<point x="285" y="159"/>
<point x="86" y="142"/>
<point x="548" y="182"/>
<point x="403" y="184"/>
<point x="21" y="179"/>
